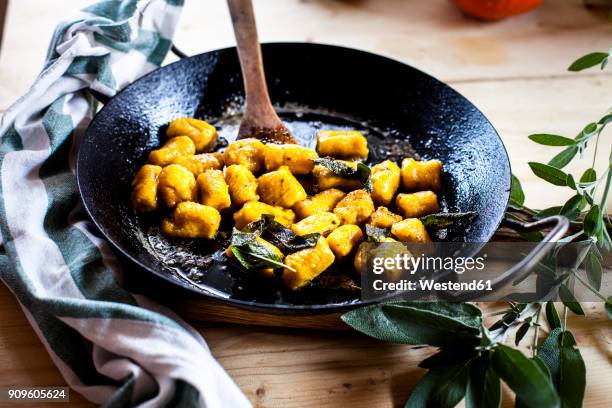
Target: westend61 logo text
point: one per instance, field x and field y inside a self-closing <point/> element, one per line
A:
<point x="412" y="264"/>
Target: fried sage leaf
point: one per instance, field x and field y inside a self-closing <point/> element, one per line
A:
<point x="252" y="254"/>
<point x="445" y="220"/>
<point x="280" y="236"/>
<point x="375" y="234"/>
<point x="361" y="171"/>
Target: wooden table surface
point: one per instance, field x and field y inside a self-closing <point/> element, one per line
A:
<point x="513" y="70"/>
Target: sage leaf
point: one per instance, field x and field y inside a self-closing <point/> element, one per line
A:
<point x="552" y="317"/>
<point x="564" y="157"/>
<point x="252" y="254"/>
<point x="361" y="171"/>
<point x="519" y="403"/>
<point x="280" y="236"/>
<point x="517" y="196"/>
<point x="524" y="377"/>
<point x="551" y="140"/>
<point x="484" y="385"/>
<point x="375" y="234"/>
<point x="522" y="331"/>
<point x="566" y="367"/>
<point x="441" y="388"/>
<point x="416" y="323"/>
<point x="548" y="212"/>
<point x="571" y="205"/>
<point x="588" y="176"/>
<point x="446" y="220"/>
<point x="568" y="299"/>
<point x="549" y="173"/>
<point x="451" y="386"/>
<point x="593" y="267"/>
<point x="447" y="357"/>
<point x="593" y="222"/>
<point x="608" y="306"/>
<point x="588" y="61"/>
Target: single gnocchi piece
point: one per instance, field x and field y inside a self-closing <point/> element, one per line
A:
<point x="203" y="134"/>
<point x="383" y="218"/>
<point x="307" y="264"/>
<point x="385" y="178"/>
<point x="248" y="152"/>
<point x="355" y="208"/>
<point x="347" y="144"/>
<point x="326" y="179"/>
<point x="213" y="190"/>
<point x="192" y="220"/>
<point x="410" y="230"/>
<point x="386" y="248"/>
<point x="253" y="210"/>
<point x="344" y="239"/>
<point x="297" y="158"/>
<point x="280" y="188"/>
<point x="322" y="223"/>
<point x="173" y="149"/>
<point x="199" y="163"/>
<point x="242" y="184"/>
<point x="144" y="188"/>
<point x="266" y="272"/>
<point x="325" y="201"/>
<point x="421" y="175"/>
<point x="176" y="184"/>
<point x="418" y="204"/>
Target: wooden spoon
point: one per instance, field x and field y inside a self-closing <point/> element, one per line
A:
<point x="260" y="120"/>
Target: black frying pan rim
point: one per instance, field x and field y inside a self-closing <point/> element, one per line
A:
<point x="252" y="305"/>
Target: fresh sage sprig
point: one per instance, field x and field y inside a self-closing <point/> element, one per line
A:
<point x="470" y="363"/>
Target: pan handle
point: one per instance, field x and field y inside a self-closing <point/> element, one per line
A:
<point x="559" y="226"/>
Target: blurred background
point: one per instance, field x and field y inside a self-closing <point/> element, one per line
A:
<point x="514" y="69"/>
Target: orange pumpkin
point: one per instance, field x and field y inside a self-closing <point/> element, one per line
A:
<point x="496" y="9"/>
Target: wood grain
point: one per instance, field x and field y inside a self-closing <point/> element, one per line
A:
<point x="514" y="70"/>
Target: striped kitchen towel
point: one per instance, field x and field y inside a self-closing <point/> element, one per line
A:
<point x="116" y="348"/>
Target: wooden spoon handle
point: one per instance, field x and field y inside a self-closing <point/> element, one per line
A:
<point x="258" y="104"/>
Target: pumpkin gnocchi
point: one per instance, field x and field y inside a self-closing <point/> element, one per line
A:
<point x="259" y="186"/>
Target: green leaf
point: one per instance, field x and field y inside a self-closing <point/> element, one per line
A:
<point x="522" y="331"/>
<point x="552" y="317"/>
<point x="517" y="196"/>
<point x="588" y="61"/>
<point x="568" y="299"/>
<point x="549" y="173"/>
<point x="608" y="306"/>
<point x="484" y="386"/>
<point x="562" y="357"/>
<point x="548" y="212"/>
<point x="569" y="181"/>
<point x="564" y="157"/>
<point x="593" y="222"/>
<point x="435" y="324"/>
<point x="443" y="387"/>
<point x="571" y="205"/>
<point x="519" y="403"/>
<point x="252" y="254"/>
<point x="588" y="176"/>
<point x="552" y="140"/>
<point x="524" y="377"/>
<point x="593" y="267"/>
<point x="445" y="220"/>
